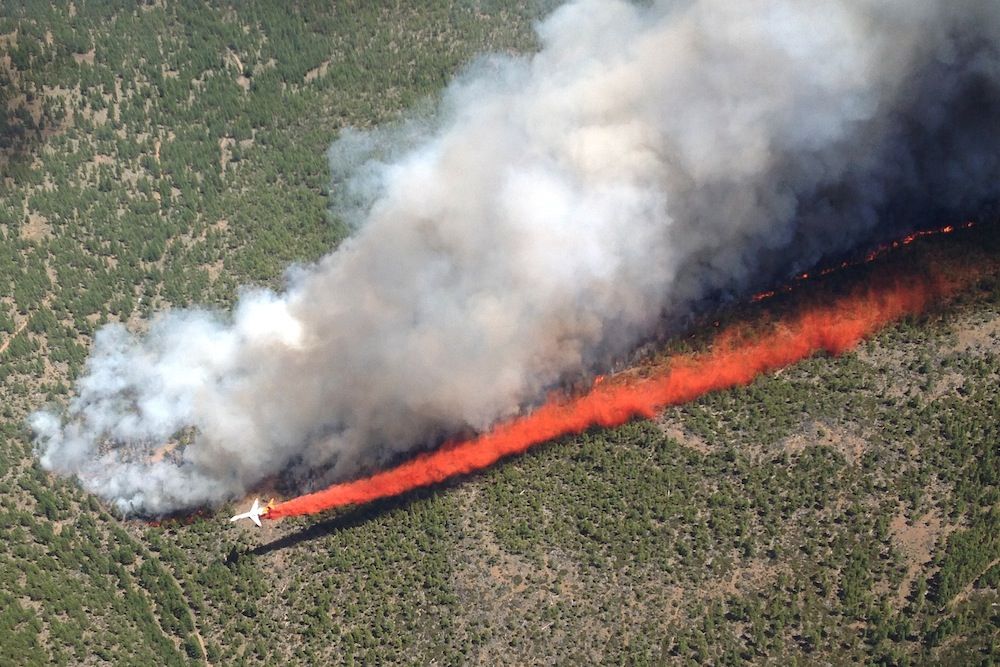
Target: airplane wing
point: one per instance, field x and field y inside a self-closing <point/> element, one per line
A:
<point x="253" y="514"/>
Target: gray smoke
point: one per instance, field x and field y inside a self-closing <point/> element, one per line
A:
<point x="557" y="209"/>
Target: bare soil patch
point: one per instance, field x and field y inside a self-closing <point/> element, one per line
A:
<point x="36" y="228"/>
<point x="852" y="447"/>
<point x="982" y="336"/>
<point x="675" y="431"/>
<point x="916" y="541"/>
<point x="87" y="57"/>
<point x="753" y="575"/>
<point x="317" y="72"/>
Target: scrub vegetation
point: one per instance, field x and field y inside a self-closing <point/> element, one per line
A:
<point x="844" y="510"/>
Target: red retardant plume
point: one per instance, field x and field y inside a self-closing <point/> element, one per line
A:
<point x="734" y="358"/>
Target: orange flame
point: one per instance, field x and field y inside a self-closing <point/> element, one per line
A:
<point x="733" y="360"/>
<point x="871" y="256"/>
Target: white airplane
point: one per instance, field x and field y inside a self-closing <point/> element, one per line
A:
<point x="254" y="513"/>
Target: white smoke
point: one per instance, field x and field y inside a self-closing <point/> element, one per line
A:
<point x="560" y="208"/>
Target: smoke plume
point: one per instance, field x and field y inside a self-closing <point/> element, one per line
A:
<point x="734" y="359"/>
<point x="557" y="209"/>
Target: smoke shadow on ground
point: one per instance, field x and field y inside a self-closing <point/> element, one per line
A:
<point x="24" y="126"/>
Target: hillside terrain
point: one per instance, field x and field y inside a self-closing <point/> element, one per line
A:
<point x="842" y="511"/>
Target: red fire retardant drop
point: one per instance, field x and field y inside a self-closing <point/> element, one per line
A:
<point x="734" y="359"/>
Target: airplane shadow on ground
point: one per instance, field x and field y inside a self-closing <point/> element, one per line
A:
<point x="985" y="238"/>
<point x="352" y="518"/>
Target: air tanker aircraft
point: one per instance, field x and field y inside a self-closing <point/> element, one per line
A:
<point x="254" y="513"/>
